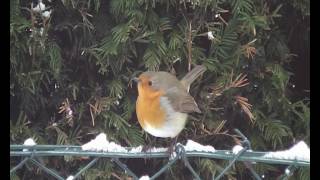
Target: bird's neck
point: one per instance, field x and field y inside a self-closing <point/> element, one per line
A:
<point x="148" y="93"/>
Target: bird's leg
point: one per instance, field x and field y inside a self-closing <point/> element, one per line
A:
<point x="148" y="146"/>
<point x="172" y="145"/>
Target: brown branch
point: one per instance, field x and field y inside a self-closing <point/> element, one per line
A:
<point x="240" y="81"/>
<point x="189" y="45"/>
<point x="218" y="129"/>
<point x="245" y="106"/>
<point x="116" y="176"/>
<point x="224" y="21"/>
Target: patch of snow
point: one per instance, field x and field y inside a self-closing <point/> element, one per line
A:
<point x="210" y="35"/>
<point x="300" y="151"/>
<point x="136" y="149"/>
<point x="172" y="155"/>
<point x="154" y="149"/>
<point x="160" y="149"/>
<point x="194" y="146"/>
<point x="236" y="149"/>
<point x="70" y="178"/>
<point x="113" y="147"/>
<point x="146" y="177"/>
<point x="287" y="171"/>
<point x="29" y="142"/>
<point x="100" y="143"/>
<point x="39" y="7"/>
<point x="46" y="14"/>
<point x="41" y="31"/>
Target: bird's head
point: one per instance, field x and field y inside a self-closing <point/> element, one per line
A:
<point x="152" y="84"/>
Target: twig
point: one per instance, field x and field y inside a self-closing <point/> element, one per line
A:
<point x="224" y="21"/>
<point x="240" y="81"/>
<point x="245" y="106"/>
<point x="218" y="129"/>
<point x="116" y="176"/>
<point x="189" y="45"/>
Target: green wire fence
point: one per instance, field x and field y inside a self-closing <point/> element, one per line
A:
<point x="244" y="156"/>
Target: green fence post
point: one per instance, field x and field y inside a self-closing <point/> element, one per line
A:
<point x="19" y="165"/>
<point x="124" y="167"/>
<point x="49" y="171"/>
<point x="86" y="167"/>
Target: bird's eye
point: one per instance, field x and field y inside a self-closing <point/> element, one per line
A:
<point x="150" y="83"/>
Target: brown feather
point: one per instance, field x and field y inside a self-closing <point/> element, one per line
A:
<point x="182" y="101"/>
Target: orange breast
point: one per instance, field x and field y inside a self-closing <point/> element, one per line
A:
<point x="150" y="111"/>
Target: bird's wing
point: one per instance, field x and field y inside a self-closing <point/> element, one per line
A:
<point x="182" y="101"/>
<point x="192" y="75"/>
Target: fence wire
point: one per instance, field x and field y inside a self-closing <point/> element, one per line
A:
<point x="31" y="154"/>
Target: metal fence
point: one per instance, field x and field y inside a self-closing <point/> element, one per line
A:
<point x="244" y="156"/>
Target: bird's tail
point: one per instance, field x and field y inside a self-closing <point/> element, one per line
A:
<point x="192" y="75"/>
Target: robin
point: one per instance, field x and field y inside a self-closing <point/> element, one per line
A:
<point x="164" y="102"/>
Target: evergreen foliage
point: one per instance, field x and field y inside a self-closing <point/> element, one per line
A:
<point x="70" y="76"/>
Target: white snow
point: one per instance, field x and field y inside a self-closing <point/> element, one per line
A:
<point x="236" y="149"/>
<point x="113" y="147"/>
<point x="29" y="142"/>
<point x="100" y="143"/>
<point x="46" y="14"/>
<point x="40" y="7"/>
<point x="136" y="149"/>
<point x="194" y="146"/>
<point x="210" y="35"/>
<point x="287" y="171"/>
<point x="41" y="31"/>
<point x="154" y="149"/>
<point x="300" y="151"/>
<point x="161" y="149"/>
<point x="172" y="155"/>
<point x="70" y="178"/>
<point x="97" y="144"/>
<point x="146" y="177"/>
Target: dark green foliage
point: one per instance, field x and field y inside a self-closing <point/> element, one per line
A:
<point x="72" y="79"/>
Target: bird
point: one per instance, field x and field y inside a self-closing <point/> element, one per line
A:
<point x="163" y="101"/>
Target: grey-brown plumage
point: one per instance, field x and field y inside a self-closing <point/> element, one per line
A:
<point x="164" y="102"/>
<point x="177" y="91"/>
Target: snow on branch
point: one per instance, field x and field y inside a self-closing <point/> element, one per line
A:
<point x="300" y="151"/>
<point x="29" y="142"/>
<point x="101" y="143"/>
<point x="144" y="177"/>
<point x="194" y="146"/>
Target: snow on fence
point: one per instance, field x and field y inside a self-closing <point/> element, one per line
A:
<point x="100" y="147"/>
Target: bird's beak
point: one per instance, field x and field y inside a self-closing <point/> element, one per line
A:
<point x="136" y="80"/>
